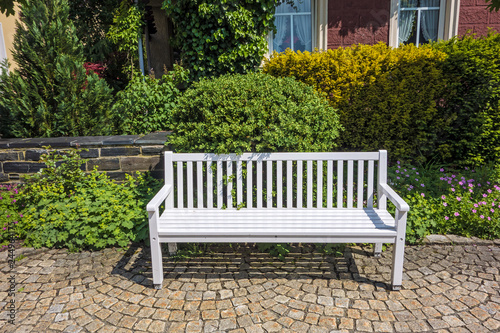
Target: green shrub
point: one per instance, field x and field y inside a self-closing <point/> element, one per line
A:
<point x="145" y="105"/>
<point x="253" y="113"/>
<point x="64" y="207"/>
<point x="49" y="94"/>
<point x="386" y="97"/>
<point x="472" y="100"/>
<point x="10" y="213"/>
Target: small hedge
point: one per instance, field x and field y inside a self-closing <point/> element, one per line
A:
<point x="472" y="100"/>
<point x="386" y="97"/>
<point x="253" y="113"/>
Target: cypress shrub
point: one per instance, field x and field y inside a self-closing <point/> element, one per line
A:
<point x="50" y="94"/>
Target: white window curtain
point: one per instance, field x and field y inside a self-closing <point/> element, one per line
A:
<point x="429" y="20"/>
<point x="302" y="24"/>
<point x="282" y="24"/>
<point x="406" y="20"/>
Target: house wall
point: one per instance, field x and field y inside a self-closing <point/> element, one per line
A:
<point x="9" y="28"/>
<point x="358" y="21"/>
<point x="475" y="16"/>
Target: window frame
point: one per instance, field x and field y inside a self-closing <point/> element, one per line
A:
<point x="447" y="26"/>
<point x="319" y="27"/>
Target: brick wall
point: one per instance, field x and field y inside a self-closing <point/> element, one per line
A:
<point x="358" y="21"/>
<point x="476" y="17"/>
<point x="117" y="155"/>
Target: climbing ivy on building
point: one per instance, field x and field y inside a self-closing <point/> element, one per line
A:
<point x="216" y="37"/>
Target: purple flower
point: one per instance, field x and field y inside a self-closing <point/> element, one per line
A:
<point x="460" y="183"/>
<point x="443" y="197"/>
<point x="407" y="175"/>
<point x="485" y="195"/>
<point x="492" y="210"/>
<point x="446" y="218"/>
<point x="453" y="176"/>
<point x="459" y="199"/>
<point x="397" y="177"/>
<point x="489" y="218"/>
<point x="476" y="205"/>
<point x="481" y="216"/>
<point x="422" y="194"/>
<point x="471" y="191"/>
<point x="441" y="169"/>
<point x="411" y="187"/>
<point x="474" y="211"/>
<point x="398" y="162"/>
<point x="452" y="189"/>
<point x="416" y="179"/>
<point x="456" y="214"/>
<point x="416" y="173"/>
<point x="20" y="215"/>
<point x="489" y="191"/>
<point x="445" y="204"/>
<point x="397" y="171"/>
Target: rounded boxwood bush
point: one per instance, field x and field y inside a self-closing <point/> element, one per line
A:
<point x="254" y="112"/>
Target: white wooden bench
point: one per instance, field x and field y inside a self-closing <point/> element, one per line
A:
<point x="207" y="199"/>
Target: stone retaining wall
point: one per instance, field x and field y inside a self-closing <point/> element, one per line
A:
<point x="117" y="155"/>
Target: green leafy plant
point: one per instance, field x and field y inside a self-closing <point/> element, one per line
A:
<point x="146" y="105"/>
<point x="50" y="94"/>
<point x="126" y="29"/>
<point x="253" y="113"/>
<point x="89" y="212"/>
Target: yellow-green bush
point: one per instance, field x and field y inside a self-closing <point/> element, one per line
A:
<point x="386" y="97"/>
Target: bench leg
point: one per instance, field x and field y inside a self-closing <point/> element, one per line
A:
<point x="377" y="250"/>
<point x="172" y="248"/>
<point x="157" y="262"/>
<point x="397" y="263"/>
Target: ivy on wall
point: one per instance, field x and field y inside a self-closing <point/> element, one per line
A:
<point x="221" y="36"/>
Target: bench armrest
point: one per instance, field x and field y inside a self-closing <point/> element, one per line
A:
<point x="400" y="204"/>
<point x="159" y="198"/>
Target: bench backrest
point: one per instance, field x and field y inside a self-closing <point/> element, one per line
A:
<point x="275" y="180"/>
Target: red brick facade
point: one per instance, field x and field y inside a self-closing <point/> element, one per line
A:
<point x="474" y="16"/>
<point x="358" y="21"/>
<point x="367" y="21"/>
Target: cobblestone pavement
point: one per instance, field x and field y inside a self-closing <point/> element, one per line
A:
<point x="446" y="288"/>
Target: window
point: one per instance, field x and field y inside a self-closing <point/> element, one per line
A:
<point x="418" y="21"/>
<point x="293" y="27"/>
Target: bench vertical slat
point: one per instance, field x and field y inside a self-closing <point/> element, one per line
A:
<point x="229" y="173"/>
<point x="210" y="185"/>
<point x="169" y="178"/>
<point x="369" y="192"/>
<point x="259" y="183"/>
<point x="289" y="184"/>
<point x="279" y="184"/>
<point x="199" y="183"/>
<point x="340" y="184"/>
<point x="249" y="184"/>
<point x="299" y="184"/>
<point x="309" y="184"/>
<point x="220" y="184"/>
<point x="350" y="181"/>
<point x="239" y="182"/>
<point x="190" y="189"/>
<point x="382" y="179"/>
<point x="180" y="185"/>
<point x="319" y="187"/>
<point x="329" y="184"/>
<point x="269" y="184"/>
<point x="361" y="182"/>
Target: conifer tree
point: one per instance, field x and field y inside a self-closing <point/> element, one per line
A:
<point x="50" y="94"/>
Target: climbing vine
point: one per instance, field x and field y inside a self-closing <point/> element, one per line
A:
<point x="216" y="37"/>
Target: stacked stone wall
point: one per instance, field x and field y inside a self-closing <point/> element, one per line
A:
<point x="117" y="155"/>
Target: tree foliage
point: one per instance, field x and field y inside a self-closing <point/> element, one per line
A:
<point x="50" y="94"/>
